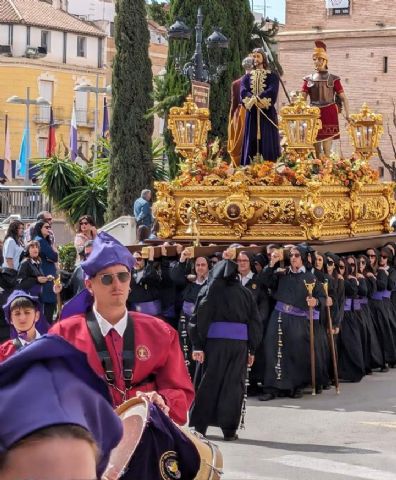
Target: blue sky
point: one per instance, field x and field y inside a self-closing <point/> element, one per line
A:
<point x="275" y="8"/>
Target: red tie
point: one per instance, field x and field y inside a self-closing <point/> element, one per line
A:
<point x="115" y="344"/>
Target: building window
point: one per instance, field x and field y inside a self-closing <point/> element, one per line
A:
<point x="46" y="39"/>
<point x="340" y="11"/>
<point x="42" y="147"/>
<point x="28" y="36"/>
<point x="111" y="29"/>
<point x="81" y="47"/>
<point x="381" y="172"/>
<point x="385" y="64"/>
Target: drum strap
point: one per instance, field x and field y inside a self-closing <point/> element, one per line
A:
<point x="128" y="357"/>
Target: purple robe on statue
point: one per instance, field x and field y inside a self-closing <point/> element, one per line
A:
<point x="269" y="144"/>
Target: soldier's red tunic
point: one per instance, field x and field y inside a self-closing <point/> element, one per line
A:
<point x="157" y="351"/>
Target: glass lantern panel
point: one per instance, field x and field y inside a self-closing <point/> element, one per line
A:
<point x="181" y="131"/>
<point x="191" y="126"/>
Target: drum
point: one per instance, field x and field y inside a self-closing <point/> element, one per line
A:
<point x="211" y="457"/>
<point x="154" y="447"/>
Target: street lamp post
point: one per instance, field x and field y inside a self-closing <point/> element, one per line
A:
<point x="28" y="101"/>
<point x="96" y="90"/>
<point x="196" y="69"/>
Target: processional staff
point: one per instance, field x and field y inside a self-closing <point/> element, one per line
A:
<point x="310" y="287"/>
<point x="331" y="339"/>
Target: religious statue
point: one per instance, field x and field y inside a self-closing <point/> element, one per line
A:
<point x="259" y="92"/>
<point x="325" y="91"/>
<point x="236" y="121"/>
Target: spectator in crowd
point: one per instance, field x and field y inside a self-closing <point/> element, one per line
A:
<point x="49" y="257"/>
<point x="142" y="209"/>
<point x="86" y="230"/>
<point x="41" y="216"/>
<point x="30" y="276"/>
<point x="13" y="245"/>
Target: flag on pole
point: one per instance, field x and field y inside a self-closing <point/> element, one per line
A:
<point x="73" y="134"/>
<point x="22" y="164"/>
<point x="51" y="142"/>
<point x="7" y="169"/>
<point x="105" y="128"/>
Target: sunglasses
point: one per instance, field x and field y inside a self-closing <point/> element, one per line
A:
<point x="330" y="262"/>
<point x="351" y="264"/>
<point x="372" y="256"/>
<point x="384" y="256"/>
<point x="297" y="255"/>
<point x="342" y="267"/>
<point x="362" y="262"/>
<point x="84" y="223"/>
<point x="107" y="278"/>
<point x="138" y="259"/>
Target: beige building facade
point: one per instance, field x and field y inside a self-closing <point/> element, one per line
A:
<point x="361" y="44"/>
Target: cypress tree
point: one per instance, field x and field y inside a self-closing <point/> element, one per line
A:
<point x="235" y="20"/>
<point x="131" y="164"/>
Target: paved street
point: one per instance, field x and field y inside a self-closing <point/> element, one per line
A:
<point x="350" y="436"/>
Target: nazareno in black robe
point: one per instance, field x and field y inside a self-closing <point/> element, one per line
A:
<point x="219" y="397"/>
<point x="287" y="355"/>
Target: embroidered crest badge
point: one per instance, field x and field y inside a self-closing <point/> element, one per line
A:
<point x="169" y="466"/>
<point x="143" y="353"/>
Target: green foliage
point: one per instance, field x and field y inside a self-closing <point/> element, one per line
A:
<point x="236" y="22"/>
<point x="131" y="166"/>
<point x="156" y="11"/>
<point x="78" y="190"/>
<point x="67" y="256"/>
<point x="58" y="176"/>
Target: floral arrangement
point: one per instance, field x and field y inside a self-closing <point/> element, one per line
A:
<point x="210" y="168"/>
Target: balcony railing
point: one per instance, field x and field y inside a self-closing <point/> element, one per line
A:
<point x="43" y="114"/>
<point x="26" y="201"/>
<point x="85" y="117"/>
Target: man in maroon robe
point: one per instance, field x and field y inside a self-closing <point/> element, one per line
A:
<point x="136" y="354"/>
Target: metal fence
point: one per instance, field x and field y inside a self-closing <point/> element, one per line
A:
<point x="26" y="201"/>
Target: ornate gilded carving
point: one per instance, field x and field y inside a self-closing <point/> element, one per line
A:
<point x="241" y="211"/>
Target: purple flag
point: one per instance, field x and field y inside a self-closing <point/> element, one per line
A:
<point x="105" y="128"/>
<point x="73" y="134"/>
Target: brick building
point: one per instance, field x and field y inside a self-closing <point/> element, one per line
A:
<point x="361" y="43"/>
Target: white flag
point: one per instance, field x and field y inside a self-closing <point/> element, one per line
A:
<point x="337" y="3"/>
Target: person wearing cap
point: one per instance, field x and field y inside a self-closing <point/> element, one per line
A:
<point x="287" y="354"/>
<point x="259" y="93"/>
<point x="133" y="351"/>
<point x="24" y="314"/>
<point x="322" y="88"/>
<point x="61" y="424"/>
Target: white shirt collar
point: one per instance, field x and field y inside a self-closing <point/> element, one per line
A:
<point x="106" y="326"/>
<point x="300" y="270"/>
<point x="202" y="282"/>
<point x="246" y="278"/>
<point x="25" y="342"/>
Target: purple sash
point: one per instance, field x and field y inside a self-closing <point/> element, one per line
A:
<point x="348" y="305"/>
<point x="149" y="308"/>
<point x="169" y="311"/>
<point x="364" y="301"/>
<point x="188" y="308"/>
<point x="292" y="310"/>
<point x="357" y="304"/>
<point x="381" y="295"/>
<point x="228" y="330"/>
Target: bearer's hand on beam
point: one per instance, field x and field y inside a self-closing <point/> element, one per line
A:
<point x="198" y="356"/>
<point x="155" y="398"/>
